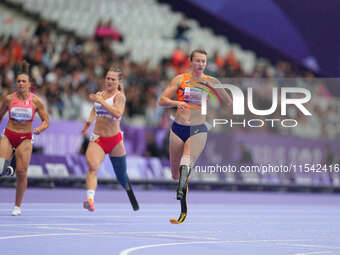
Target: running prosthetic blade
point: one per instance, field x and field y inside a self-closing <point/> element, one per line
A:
<point x="184" y="209"/>
<point x="132" y="198"/>
<point x="183" y="180"/>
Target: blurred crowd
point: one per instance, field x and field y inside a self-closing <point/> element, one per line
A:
<point x="65" y="69"/>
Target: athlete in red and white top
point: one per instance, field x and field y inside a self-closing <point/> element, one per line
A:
<point x="107" y="138"/>
<point x="22" y="106"/>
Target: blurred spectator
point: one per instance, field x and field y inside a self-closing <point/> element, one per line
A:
<point x="232" y="61"/>
<point x="219" y="61"/>
<point x="308" y="126"/>
<point x="42" y="29"/>
<point x="181" y="31"/>
<point x="66" y="69"/>
<point x="104" y="31"/>
<point x="180" y="61"/>
<point x="152" y="112"/>
<point x="329" y="157"/>
<point x="246" y="157"/>
<point x="329" y="161"/>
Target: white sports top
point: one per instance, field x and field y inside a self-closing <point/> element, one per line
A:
<point x="101" y="111"/>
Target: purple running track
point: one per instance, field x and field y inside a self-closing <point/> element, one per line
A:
<point x="54" y="222"/>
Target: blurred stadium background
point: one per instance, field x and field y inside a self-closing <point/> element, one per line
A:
<point x="70" y="44"/>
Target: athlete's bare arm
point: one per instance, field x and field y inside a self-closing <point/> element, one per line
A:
<point x="41" y="110"/>
<point x="89" y="121"/>
<point x="165" y="99"/>
<point x="4" y="104"/>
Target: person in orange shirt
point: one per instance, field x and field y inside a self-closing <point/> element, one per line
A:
<point x="232" y="61"/>
<point x="180" y="61"/>
<point x="188" y="133"/>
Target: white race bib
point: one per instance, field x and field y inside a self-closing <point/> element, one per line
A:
<point x="21" y="114"/>
<point x="193" y="95"/>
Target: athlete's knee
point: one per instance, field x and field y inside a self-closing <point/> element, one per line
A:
<point x="93" y="166"/>
<point x="93" y="169"/>
<point x="187" y="160"/>
<point x="21" y="173"/>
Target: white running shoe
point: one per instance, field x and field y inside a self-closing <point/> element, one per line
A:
<point x="16" y="211"/>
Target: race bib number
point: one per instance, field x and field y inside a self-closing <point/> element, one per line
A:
<point x="21" y="114"/>
<point x="193" y="95"/>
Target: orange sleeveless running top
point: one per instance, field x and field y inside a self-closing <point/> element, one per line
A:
<point x="189" y="93"/>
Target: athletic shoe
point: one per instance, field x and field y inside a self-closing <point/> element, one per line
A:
<point x="16" y="211"/>
<point x="89" y="205"/>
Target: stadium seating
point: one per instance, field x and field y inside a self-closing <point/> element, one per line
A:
<point x="147" y="26"/>
<point x="15" y="24"/>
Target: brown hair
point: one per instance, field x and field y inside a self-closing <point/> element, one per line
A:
<point x="115" y="69"/>
<point x="23" y="68"/>
<point x="201" y="50"/>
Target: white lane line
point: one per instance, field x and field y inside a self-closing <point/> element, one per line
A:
<point x="237" y="208"/>
<point x="117" y="224"/>
<point x="61" y="228"/>
<point x="75" y="209"/>
<point x="92" y="233"/>
<point x="60" y="224"/>
<point x="249" y="217"/>
<point x="166" y="234"/>
<point x="97" y="209"/>
<point x="183" y="237"/>
<point x="81" y="202"/>
<point x="114" y="209"/>
<point x="46" y="235"/>
<point x="313" y="253"/>
<point x="47" y="225"/>
<point x="83" y="216"/>
<point x="132" y="249"/>
<point x="314" y="246"/>
<point x="156" y="234"/>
